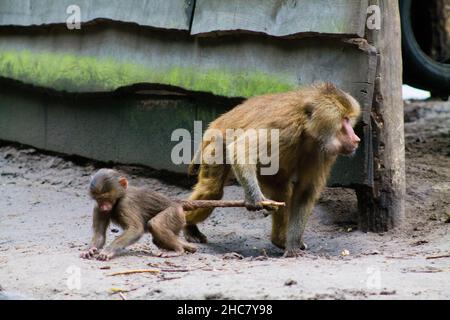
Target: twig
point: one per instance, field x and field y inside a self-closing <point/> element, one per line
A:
<point x="439" y="257"/>
<point x="435" y="270"/>
<point x="118" y="290"/>
<point x="122" y="296"/>
<point x="134" y="271"/>
<point x="164" y="256"/>
<point x="167" y="279"/>
<point x="175" y="270"/>
<point x="393" y="257"/>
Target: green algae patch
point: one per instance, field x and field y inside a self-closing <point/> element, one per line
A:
<point x="72" y="73"/>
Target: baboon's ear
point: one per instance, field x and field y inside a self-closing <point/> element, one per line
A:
<point x="123" y="182"/>
<point x="309" y="108"/>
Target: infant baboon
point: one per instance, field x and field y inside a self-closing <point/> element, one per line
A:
<point x="136" y="210"/>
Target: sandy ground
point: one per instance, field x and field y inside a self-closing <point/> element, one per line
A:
<point x="45" y="223"/>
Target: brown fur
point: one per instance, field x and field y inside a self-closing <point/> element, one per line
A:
<point x="136" y="210"/>
<point x="310" y="122"/>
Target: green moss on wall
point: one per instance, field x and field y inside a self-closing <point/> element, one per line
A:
<point x="86" y="74"/>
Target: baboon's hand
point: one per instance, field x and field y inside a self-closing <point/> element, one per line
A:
<point x="260" y="204"/>
<point x="254" y="204"/>
<point x="106" y="255"/>
<point x="89" y="254"/>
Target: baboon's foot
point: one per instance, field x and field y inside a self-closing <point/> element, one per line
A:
<point x="189" y="248"/>
<point x="295" y="251"/>
<point x="193" y="234"/>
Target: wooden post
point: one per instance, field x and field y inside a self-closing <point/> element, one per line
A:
<point x="382" y="206"/>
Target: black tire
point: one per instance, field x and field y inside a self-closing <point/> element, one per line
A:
<point x="420" y="70"/>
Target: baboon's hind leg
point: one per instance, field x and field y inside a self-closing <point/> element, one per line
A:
<point x="165" y="228"/>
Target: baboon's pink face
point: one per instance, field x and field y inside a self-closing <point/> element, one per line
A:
<point x="349" y="140"/>
<point x="104" y="206"/>
<point x="105" y="202"/>
<point x="345" y="141"/>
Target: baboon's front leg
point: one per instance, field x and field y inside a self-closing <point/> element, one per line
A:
<point x="302" y="203"/>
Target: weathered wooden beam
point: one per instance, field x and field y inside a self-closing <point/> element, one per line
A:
<point x="281" y="18"/>
<point x="382" y="206"/>
<point x="167" y="14"/>
<point x="228" y="66"/>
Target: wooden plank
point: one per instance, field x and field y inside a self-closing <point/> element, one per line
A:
<point x="169" y="14"/>
<point x="383" y="206"/>
<point x="118" y="129"/>
<point x="248" y="66"/>
<point x="281" y="17"/>
<point x="21" y="120"/>
<point x="121" y="128"/>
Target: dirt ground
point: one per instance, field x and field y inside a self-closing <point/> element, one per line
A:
<point x="45" y="223"/>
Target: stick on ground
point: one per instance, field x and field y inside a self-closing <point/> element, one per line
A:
<point x="134" y="271"/>
<point x="122" y="296"/>
<point x="439" y="257"/>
